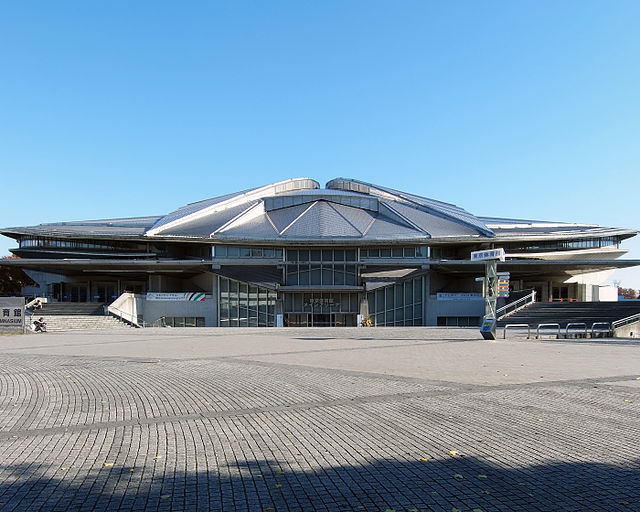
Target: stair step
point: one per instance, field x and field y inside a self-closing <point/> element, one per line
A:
<point x="57" y="323"/>
<point x="566" y="312"/>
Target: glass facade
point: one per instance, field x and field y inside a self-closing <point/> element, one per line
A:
<point x="246" y="305"/>
<point x="234" y="251"/>
<point x="333" y="267"/>
<point x="563" y="245"/>
<point x="397" y="304"/>
<point x="184" y="321"/>
<point x="27" y="242"/>
<point x="321" y="302"/>
<point x="420" y="252"/>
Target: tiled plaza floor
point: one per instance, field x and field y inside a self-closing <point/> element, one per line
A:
<point x="406" y="419"/>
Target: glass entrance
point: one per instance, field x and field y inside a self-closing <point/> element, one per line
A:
<point x="105" y="292"/>
<point x="320" y="319"/>
<point x="71" y="292"/>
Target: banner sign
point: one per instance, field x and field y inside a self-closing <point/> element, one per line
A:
<point x="12" y="315"/>
<point x="458" y="296"/>
<point x="177" y="297"/>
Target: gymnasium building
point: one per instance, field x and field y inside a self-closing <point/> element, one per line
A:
<point x="295" y="254"/>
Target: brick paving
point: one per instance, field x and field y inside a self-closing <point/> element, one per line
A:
<point x="317" y="419"/>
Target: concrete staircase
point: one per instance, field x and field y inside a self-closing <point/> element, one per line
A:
<point x="565" y="312"/>
<point x="66" y="316"/>
<point x="57" y="323"/>
<point x="71" y="308"/>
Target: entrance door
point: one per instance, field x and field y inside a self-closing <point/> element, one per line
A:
<point x="345" y="319"/>
<point x="105" y="292"/>
<point x="72" y="292"/>
<point x="296" y="320"/>
<point x="322" y="320"/>
<point x="560" y="293"/>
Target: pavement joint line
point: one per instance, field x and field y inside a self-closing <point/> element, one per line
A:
<point x="243" y="359"/>
<point x="442" y="383"/>
<point x="458" y="390"/>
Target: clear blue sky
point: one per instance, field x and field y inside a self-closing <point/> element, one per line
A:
<point x="520" y="109"/>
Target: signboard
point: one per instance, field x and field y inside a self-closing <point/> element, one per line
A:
<point x="458" y="296"/>
<point x="318" y="303"/>
<point x="12" y="315"/>
<point x="488" y="328"/>
<point x="503" y="284"/>
<point x="177" y="297"/>
<point x="489" y="254"/>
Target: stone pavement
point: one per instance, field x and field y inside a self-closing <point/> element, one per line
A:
<point x="402" y="419"/>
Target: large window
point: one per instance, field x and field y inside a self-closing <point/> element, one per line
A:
<point x="246" y="305"/>
<point x="397" y="304"/>
<point x="326" y="267"/>
<point x="321" y="302"/>
<point x="419" y="252"/>
<point x="27" y="242"/>
<point x="235" y="251"/>
<point x="562" y="245"/>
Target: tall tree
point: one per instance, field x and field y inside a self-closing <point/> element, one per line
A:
<point x="12" y="279"/>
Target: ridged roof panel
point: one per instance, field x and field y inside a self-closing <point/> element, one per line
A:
<point x="321" y="221"/>
<point x="421" y="203"/>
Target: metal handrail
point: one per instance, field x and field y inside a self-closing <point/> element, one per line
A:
<point x="516" y="305"/>
<point x="159" y="322"/>
<point x="624" y="321"/>
<point x="124" y="315"/>
<point x="566" y="330"/>
<point x="547" y="325"/>
<point x="504" y="332"/>
<point x="593" y="328"/>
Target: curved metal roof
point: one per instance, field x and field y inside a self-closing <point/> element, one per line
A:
<point x="298" y="210"/>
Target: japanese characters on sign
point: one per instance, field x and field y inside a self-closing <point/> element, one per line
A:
<point x="318" y="303"/>
<point x="489" y="254"/>
<point x="176" y="297"/>
<point x="12" y="314"/>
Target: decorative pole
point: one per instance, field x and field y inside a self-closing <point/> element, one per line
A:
<point x="489" y="289"/>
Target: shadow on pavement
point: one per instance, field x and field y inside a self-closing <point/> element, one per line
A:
<point x="452" y="484"/>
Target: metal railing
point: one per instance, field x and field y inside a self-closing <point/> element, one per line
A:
<point x="606" y="330"/>
<point x="125" y="316"/>
<point x="513" y="326"/>
<point x="556" y="325"/>
<point x="625" y="321"/>
<point x="573" y="325"/>
<point x="516" y="305"/>
<point x="160" y="322"/>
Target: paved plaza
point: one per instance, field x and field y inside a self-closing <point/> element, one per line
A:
<point x="369" y="419"/>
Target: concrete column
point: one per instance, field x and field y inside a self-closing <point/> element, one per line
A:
<point x="364" y="306"/>
<point x="215" y="299"/>
<point x="157" y="283"/>
<point x="429" y="307"/>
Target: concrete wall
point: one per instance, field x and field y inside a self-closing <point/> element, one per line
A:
<point x="156" y="309"/>
<point x="628" y="331"/>
<point x="606" y="293"/>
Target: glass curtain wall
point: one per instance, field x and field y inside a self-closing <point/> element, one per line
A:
<point x="397" y="304"/>
<point x="321" y="267"/>
<point x="246" y="305"/>
<point x="317" y="302"/>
